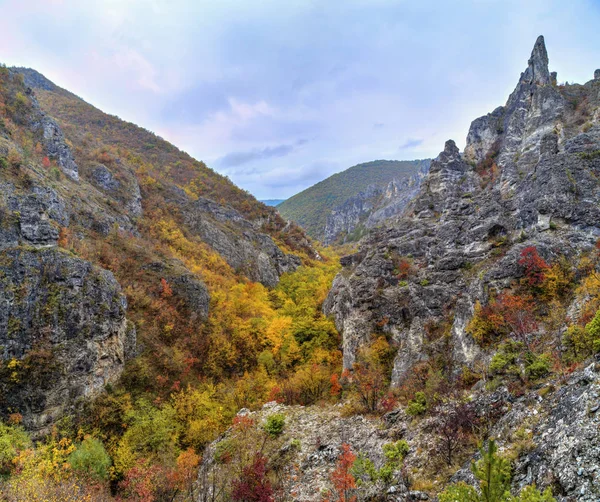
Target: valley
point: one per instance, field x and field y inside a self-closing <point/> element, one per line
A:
<point x="401" y="331"/>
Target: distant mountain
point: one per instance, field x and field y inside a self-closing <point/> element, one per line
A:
<point x="272" y="202"/>
<point x="340" y="208"/>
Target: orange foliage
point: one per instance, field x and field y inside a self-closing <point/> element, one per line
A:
<point x="342" y="479"/>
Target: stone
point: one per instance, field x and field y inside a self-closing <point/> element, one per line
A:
<point x="63" y="320"/>
<point x="236" y="239"/>
<point x="464" y="213"/>
<point x="597" y="74"/>
<point x="350" y="220"/>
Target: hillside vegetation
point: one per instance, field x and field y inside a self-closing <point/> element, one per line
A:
<point x="209" y="340"/>
<point x="311" y="207"/>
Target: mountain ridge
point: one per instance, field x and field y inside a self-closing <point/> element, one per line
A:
<point x="311" y="207"/>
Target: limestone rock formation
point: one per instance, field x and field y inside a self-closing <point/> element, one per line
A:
<point x="63" y="332"/>
<point x="239" y="241"/>
<point x="527" y="177"/>
<point x="351" y="219"/>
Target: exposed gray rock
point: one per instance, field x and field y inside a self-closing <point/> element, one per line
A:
<point x="236" y="239"/>
<point x="63" y="326"/>
<point x="565" y="436"/>
<point x="185" y="285"/>
<point x="311" y="441"/>
<point x="56" y="147"/>
<point x="104" y="178"/>
<point x="597" y="74"/>
<point x="32" y="219"/>
<point x="350" y="220"/>
<point x="522" y="181"/>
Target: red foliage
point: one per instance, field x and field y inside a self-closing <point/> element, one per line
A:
<point x="404" y="269"/>
<point x="342" y="479"/>
<point x="46" y="162"/>
<point x="166" y="290"/>
<point x="140" y="482"/>
<point x="518" y="313"/>
<point x="275" y="394"/>
<point x="243" y="423"/>
<point x="253" y="485"/>
<point x="535" y="266"/>
<point x="389" y="402"/>
<point x="336" y="386"/>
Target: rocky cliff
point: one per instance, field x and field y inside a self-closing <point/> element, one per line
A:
<point x="341" y="208"/>
<point x="63" y="330"/>
<point x="528" y="177"/>
<point x="349" y="221"/>
<point x="79" y="216"/>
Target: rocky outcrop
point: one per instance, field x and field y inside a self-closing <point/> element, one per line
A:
<point x="527" y="177"/>
<point x="562" y="438"/>
<point x="56" y="147"/>
<point x="238" y="241"/>
<point x="350" y="220"/>
<point x="185" y="286"/>
<point x="307" y="451"/>
<point x="63" y="333"/>
<point x="63" y="330"/>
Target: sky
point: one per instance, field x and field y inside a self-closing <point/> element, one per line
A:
<point x="280" y="94"/>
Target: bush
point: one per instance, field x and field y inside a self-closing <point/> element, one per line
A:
<point x="581" y="342"/>
<point x="395" y="452"/>
<point x="537" y="366"/>
<point x="275" y="424"/>
<point x="90" y="459"/>
<point x="12" y="440"/>
<point x="506" y="360"/>
<point x="417" y="405"/>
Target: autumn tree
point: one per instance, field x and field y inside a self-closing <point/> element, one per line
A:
<point x="454" y="422"/>
<point x="342" y="479"/>
<point x="534" y="266"/>
<point x="253" y="485"/>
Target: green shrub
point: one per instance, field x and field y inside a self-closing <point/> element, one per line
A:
<point x="13" y="438"/>
<point x="537" y="366"/>
<point x="459" y="492"/>
<point x="506" y="360"/>
<point x="417" y="405"/>
<point x="90" y="459"/>
<point x="493" y="473"/>
<point x="275" y="424"/>
<point x="3" y="163"/>
<point x="581" y="342"/>
<point x="364" y="470"/>
<point x="395" y="452"/>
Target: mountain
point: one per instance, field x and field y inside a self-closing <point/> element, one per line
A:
<point x="272" y="202"/>
<point x="165" y="336"/>
<point x="95" y="213"/>
<point x="342" y="204"/>
<point x="489" y="272"/>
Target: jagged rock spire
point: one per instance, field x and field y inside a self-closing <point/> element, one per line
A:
<point x="537" y="71"/>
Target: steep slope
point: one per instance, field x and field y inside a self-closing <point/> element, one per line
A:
<point x="63" y="330"/>
<point x="339" y="204"/>
<point x="349" y="221"/>
<point x="185" y="185"/>
<point x="98" y="214"/>
<point x="527" y="181"/>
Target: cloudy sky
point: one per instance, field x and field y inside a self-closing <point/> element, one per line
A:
<point x="280" y="94"/>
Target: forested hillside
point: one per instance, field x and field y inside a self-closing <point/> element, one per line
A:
<point x="311" y="207"/>
<point x="167" y="339"/>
